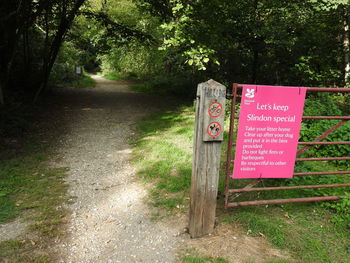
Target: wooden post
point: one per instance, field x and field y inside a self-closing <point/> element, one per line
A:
<point x="208" y="135"/>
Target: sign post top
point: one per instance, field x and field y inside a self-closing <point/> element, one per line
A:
<point x="213" y="95"/>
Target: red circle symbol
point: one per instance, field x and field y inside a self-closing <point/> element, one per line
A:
<point x="215" y="109"/>
<point x="214" y="129"/>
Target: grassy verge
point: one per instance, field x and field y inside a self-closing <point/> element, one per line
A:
<point x="142" y="87"/>
<point x="311" y="232"/>
<point x="305" y="230"/>
<point x="121" y="76"/>
<point x="84" y="81"/>
<point x="163" y="153"/>
<point x="192" y="256"/>
<point x="181" y="87"/>
<point x="31" y="189"/>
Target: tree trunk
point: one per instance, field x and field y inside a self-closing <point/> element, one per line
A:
<point x="2" y="100"/>
<point x="65" y="23"/>
<point x="255" y="65"/>
<point x="346" y="44"/>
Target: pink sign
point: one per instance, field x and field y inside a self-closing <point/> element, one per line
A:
<point x="268" y="131"/>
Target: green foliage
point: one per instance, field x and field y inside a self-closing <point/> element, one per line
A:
<point x="176" y="86"/>
<point x="304" y="229"/>
<point x="257" y="41"/>
<point x="342" y="211"/>
<point x="193" y="256"/>
<point x="31" y="189"/>
<point x="257" y="224"/>
<point x="134" y="59"/>
<point x="121" y="36"/>
<point x="63" y="70"/>
<point x="203" y="259"/>
<point x="26" y="183"/>
<point x="325" y="105"/>
<point x="84" y="81"/>
<point x="33" y="34"/>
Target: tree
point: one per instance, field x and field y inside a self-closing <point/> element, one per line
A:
<point x="272" y="42"/>
<point x="63" y="12"/>
<point x="19" y="22"/>
<point x="16" y="18"/>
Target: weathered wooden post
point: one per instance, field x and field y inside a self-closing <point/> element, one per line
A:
<point x="208" y="135"/>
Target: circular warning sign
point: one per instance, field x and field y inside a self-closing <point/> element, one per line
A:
<point x="215" y="109"/>
<point x="214" y="129"/>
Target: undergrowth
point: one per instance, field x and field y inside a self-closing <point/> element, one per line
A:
<point x="163" y="155"/>
<point x="32" y="190"/>
<point x="121" y="76"/>
<point x="180" y="87"/>
<point x="83" y="81"/>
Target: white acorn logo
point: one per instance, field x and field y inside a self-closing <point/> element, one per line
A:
<point x="250" y="93"/>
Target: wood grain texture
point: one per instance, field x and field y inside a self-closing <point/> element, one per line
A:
<point x="206" y="164"/>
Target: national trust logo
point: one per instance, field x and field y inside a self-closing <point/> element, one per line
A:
<point x="250" y="93"/>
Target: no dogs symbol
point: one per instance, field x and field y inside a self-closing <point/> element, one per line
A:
<point x="215" y="109"/>
<point x="214" y="129"/>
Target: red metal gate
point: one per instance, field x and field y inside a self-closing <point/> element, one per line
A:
<point x="305" y="146"/>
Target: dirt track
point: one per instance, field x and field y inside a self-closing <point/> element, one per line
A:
<point x="109" y="220"/>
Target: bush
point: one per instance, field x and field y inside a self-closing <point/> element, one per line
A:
<point x="173" y="86"/>
<point x="63" y="70"/>
<point x="135" y="60"/>
<point x="342" y="211"/>
<point x="326" y="104"/>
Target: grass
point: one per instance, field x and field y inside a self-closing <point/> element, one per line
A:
<point x="308" y="231"/>
<point x="163" y="155"/>
<point x="31" y="189"/>
<point x="192" y="256"/>
<point x="21" y="251"/>
<point x="203" y="259"/>
<point x="303" y="229"/>
<point x="121" y="76"/>
<point x="142" y="87"/>
<point x="84" y="81"/>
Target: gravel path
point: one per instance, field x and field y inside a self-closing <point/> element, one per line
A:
<point x="109" y="220"/>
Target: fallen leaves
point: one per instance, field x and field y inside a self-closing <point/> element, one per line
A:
<point x="111" y="220"/>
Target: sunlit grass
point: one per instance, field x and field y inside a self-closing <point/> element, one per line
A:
<point x="121" y="76"/>
<point x="164" y="156"/>
<point x="30" y="188"/>
<point x="192" y="256"/>
<point x="84" y="81"/>
<point x="303" y="229"/>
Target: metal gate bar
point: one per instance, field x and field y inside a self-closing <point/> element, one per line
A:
<point x="322" y="173"/>
<point x="322" y="136"/>
<point x="320" y="117"/>
<point x="287" y="187"/>
<point x="250" y="187"/>
<point x="285" y="201"/>
<point x="323" y="159"/>
<point x="322" y="143"/>
<point x="319" y="159"/>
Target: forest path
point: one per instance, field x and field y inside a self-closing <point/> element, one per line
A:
<point x="109" y="221"/>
